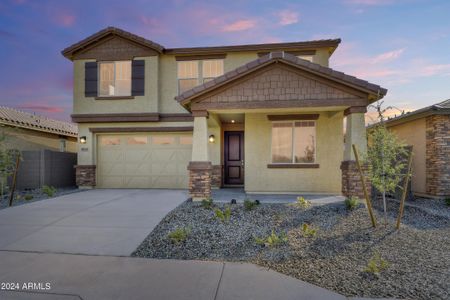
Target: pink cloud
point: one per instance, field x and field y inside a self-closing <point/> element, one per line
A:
<point x="240" y="25"/>
<point x="369" y="2"/>
<point x="65" y="19"/>
<point x="287" y="17"/>
<point x="387" y="56"/>
<point x="436" y="69"/>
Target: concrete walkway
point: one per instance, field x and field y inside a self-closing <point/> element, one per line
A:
<point x="98" y="222"/>
<point x="226" y="194"/>
<point x="105" y="277"/>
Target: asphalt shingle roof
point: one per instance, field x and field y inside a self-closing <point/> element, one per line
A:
<point x="291" y="60"/>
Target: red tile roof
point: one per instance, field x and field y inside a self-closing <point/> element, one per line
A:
<point x="13" y="117"/>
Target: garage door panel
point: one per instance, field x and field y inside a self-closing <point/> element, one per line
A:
<point x="143" y="160"/>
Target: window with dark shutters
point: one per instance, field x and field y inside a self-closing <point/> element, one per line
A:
<point x="138" y="78"/>
<point x="90" y="79"/>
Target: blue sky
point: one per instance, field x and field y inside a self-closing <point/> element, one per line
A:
<point x="403" y="45"/>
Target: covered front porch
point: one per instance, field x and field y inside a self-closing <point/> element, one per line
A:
<point x="276" y="125"/>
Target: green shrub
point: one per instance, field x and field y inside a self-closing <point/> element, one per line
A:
<point x="447" y="201"/>
<point x="250" y="204"/>
<point x="273" y="240"/>
<point x="308" y="231"/>
<point x="28" y="197"/>
<point x="207" y="203"/>
<point x="351" y="203"/>
<point x="179" y="235"/>
<point x="376" y="264"/>
<point x="301" y="203"/>
<point x="48" y="190"/>
<point x="224" y="215"/>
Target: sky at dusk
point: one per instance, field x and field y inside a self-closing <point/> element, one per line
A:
<point x="402" y="45"/>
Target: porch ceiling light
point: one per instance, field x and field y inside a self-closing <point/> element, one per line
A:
<point x="83" y="140"/>
<point x="232" y="121"/>
<point x="212" y="138"/>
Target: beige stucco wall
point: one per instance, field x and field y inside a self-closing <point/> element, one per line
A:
<point x="24" y="139"/>
<point x="325" y="179"/>
<point x="87" y="152"/>
<point x="161" y="85"/>
<point x="140" y="104"/>
<point x="414" y="133"/>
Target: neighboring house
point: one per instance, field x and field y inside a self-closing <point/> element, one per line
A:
<point x="25" y="131"/>
<point x="268" y="117"/>
<point x="428" y="131"/>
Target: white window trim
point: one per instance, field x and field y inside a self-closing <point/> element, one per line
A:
<point x="99" y="79"/>
<point x="293" y="143"/>
<point x="200" y="77"/>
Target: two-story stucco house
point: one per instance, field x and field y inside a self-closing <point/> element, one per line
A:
<point x="268" y="117"/>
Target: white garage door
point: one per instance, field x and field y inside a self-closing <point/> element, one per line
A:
<point x="154" y="160"/>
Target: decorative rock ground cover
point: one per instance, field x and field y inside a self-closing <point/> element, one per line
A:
<point x="28" y="196"/>
<point x="335" y="257"/>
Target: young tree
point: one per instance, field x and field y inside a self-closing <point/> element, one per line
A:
<point x="8" y="158"/>
<point x="385" y="155"/>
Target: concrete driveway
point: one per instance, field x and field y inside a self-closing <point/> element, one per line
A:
<point x="96" y="222"/>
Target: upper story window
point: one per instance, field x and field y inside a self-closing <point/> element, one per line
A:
<point x="115" y="78"/>
<point x="294" y="142"/>
<point x="195" y="72"/>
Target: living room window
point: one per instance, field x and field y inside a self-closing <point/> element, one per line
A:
<point x="294" y="142"/>
<point x="115" y="78"/>
<point x="195" y="72"/>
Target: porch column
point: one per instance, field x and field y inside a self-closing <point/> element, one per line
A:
<point x="355" y="134"/>
<point x="200" y="166"/>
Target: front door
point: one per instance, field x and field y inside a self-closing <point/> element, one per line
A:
<point x="234" y="157"/>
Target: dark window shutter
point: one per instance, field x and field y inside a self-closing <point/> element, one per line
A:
<point x="90" y="79"/>
<point x="138" y="77"/>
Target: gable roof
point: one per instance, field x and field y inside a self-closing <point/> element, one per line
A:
<point x="435" y="109"/>
<point x="17" y="118"/>
<point x="69" y="52"/>
<point x="291" y="60"/>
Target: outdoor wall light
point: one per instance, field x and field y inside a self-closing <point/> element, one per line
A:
<point x="83" y="140"/>
<point x="212" y="138"/>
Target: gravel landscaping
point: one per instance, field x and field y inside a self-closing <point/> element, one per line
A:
<point x="29" y="196"/>
<point x="335" y="257"/>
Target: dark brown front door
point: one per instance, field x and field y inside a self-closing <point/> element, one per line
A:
<point x="234" y="157"/>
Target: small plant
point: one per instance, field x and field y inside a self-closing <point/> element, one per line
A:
<point x="308" y="231"/>
<point x="179" y="235"/>
<point x="302" y="203"/>
<point x="28" y="197"/>
<point x="273" y="240"/>
<point x="224" y="215"/>
<point x="250" y="204"/>
<point x="376" y="264"/>
<point x="207" y="203"/>
<point x="351" y="203"/>
<point x="48" y="190"/>
<point x="447" y="201"/>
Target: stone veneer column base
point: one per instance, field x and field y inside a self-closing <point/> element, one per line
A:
<point x="200" y="173"/>
<point x="438" y="156"/>
<point x="351" y="181"/>
<point x="85" y="175"/>
<point x="216" y="176"/>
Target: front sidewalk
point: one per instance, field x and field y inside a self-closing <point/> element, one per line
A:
<point x="101" y="277"/>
